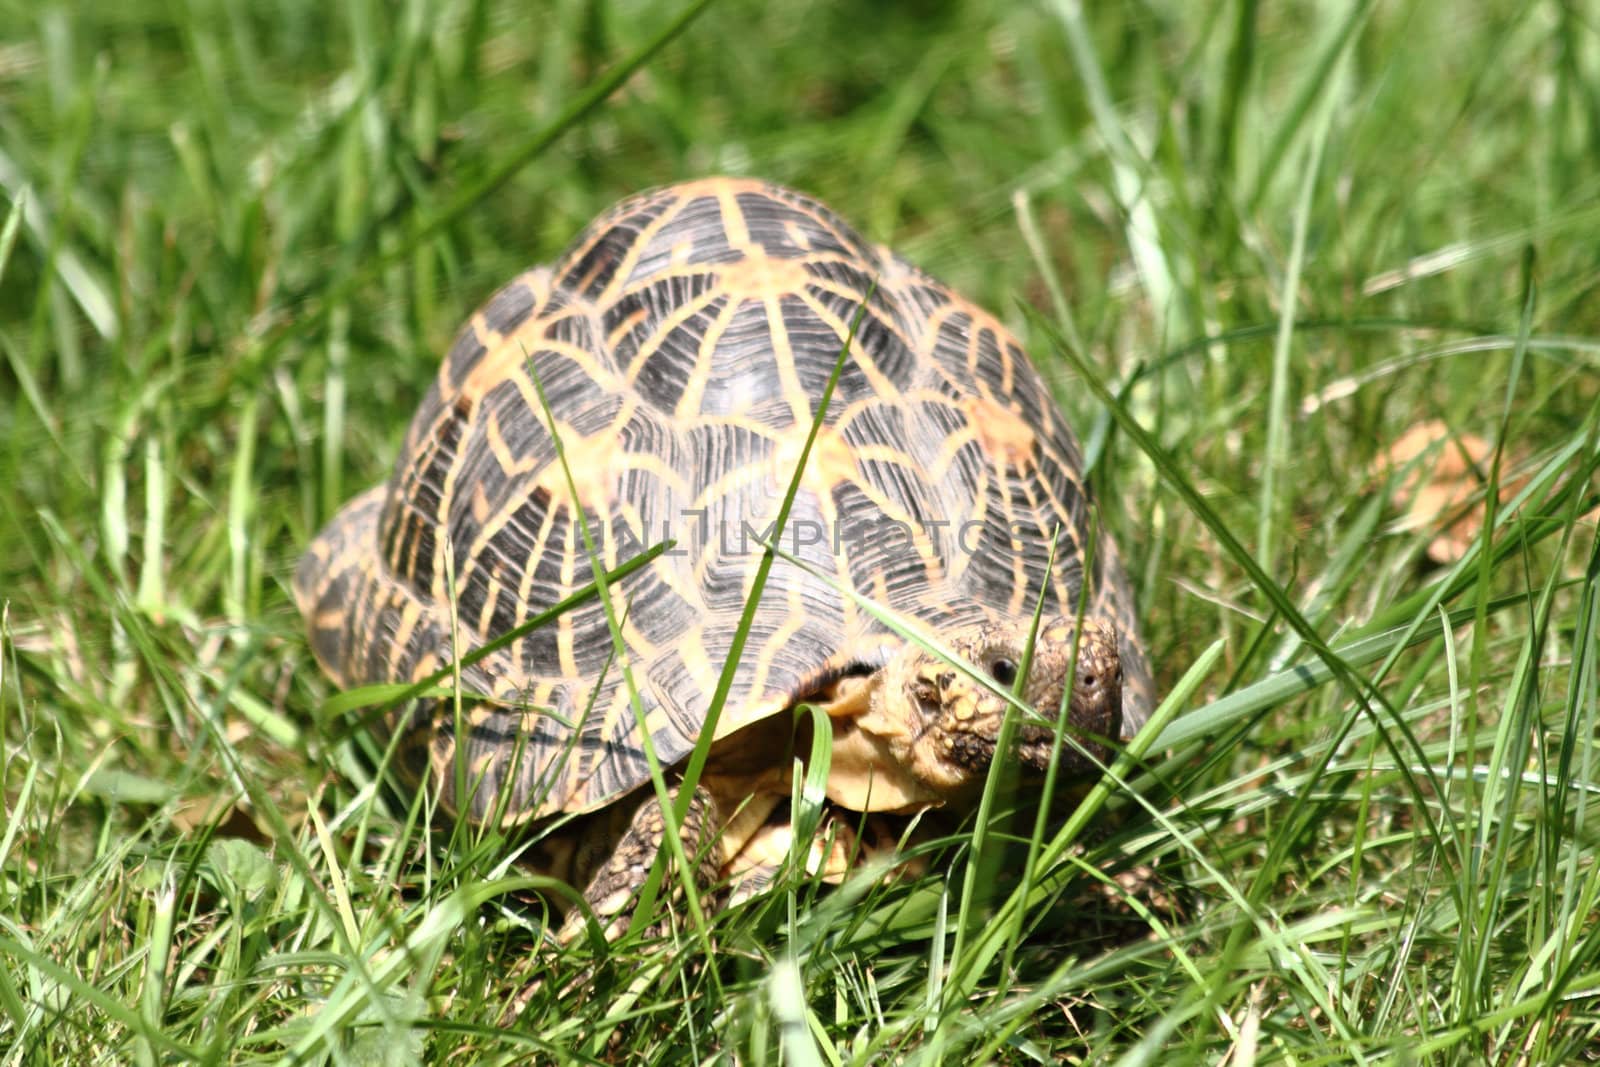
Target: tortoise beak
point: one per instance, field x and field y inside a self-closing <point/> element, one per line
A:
<point x="1094" y="706"/>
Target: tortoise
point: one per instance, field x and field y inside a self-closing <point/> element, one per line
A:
<point x="678" y="352"/>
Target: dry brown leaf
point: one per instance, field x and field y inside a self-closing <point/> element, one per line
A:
<point x="195" y="812"/>
<point x="1443" y="476"/>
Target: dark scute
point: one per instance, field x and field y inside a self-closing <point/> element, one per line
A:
<point x="816" y="345"/>
<point x="723" y="584"/>
<point x="509" y="551"/>
<point x="465" y="354"/>
<point x="951" y="343"/>
<point x="647" y="435"/>
<point x="375" y="613"/>
<point x="507" y="611"/>
<point x="808" y="537"/>
<point x="701" y="225"/>
<point x="538" y="651"/>
<point x="603" y="247"/>
<point x="1002" y="540"/>
<point x="991" y="366"/>
<point x="1027" y="391"/>
<point x="569" y="386"/>
<point x="658" y="301"/>
<point x="572" y="329"/>
<point x="743" y="371"/>
<point x="875" y="341"/>
<point x="472" y="593"/>
<point x="415" y="523"/>
<point x="330" y="643"/>
<point x="669" y="365"/>
<point x="591" y="638"/>
<point x="772" y="218"/>
<point x="593" y="271"/>
<point x="1064" y="447"/>
<point x="508" y="750"/>
<point x="657" y="611"/>
<point x="906" y="493"/>
<point x="773" y="223"/>
<point x="988" y="552"/>
<point x="880" y="331"/>
<point x="592" y="419"/>
<point x="408" y="525"/>
<point x="515" y="541"/>
<point x="965" y="473"/>
<point x="1065" y="494"/>
<point x="680" y="696"/>
<point x="794" y="662"/>
<point x="877" y="546"/>
<point x="626" y="346"/>
<point x="717" y="448"/>
<point x="842" y="275"/>
<point x="509" y="308"/>
<point x="876" y="424"/>
<point x="924" y="299"/>
<point x="880" y="548"/>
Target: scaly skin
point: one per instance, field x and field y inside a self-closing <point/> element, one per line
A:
<point x="921" y="733"/>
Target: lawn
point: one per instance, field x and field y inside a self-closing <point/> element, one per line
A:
<point x="1252" y="247"/>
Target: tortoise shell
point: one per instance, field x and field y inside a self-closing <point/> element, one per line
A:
<point x="682" y="345"/>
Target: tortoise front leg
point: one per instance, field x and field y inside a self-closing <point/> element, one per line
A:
<point x="618" y="881"/>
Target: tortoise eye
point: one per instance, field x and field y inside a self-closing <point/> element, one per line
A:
<point x="1003" y="671"/>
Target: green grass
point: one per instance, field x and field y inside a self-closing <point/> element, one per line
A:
<point x="1250" y="244"/>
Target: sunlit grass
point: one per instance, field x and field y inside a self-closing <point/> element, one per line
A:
<point x="1249" y="245"/>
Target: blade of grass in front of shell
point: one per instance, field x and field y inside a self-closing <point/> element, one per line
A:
<point x="387" y="694"/>
<point x="672" y="838"/>
<point x="695" y="763"/>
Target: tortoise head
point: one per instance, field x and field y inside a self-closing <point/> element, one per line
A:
<point x="950" y="721"/>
